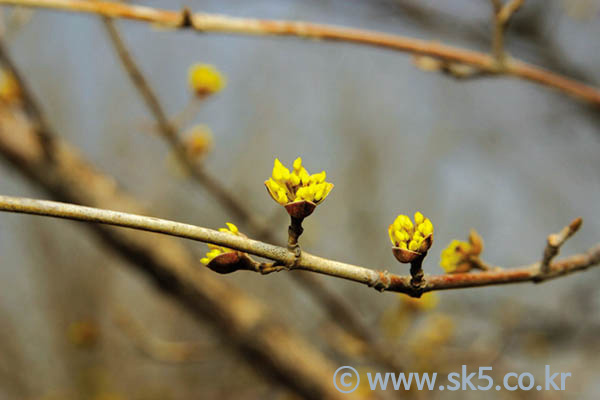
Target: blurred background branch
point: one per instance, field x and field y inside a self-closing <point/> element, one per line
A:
<point x="223" y="24"/>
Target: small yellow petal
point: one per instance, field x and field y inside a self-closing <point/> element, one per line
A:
<point x="304" y="177"/>
<point x="234" y="229"/>
<point x="297" y="164"/>
<point x="282" y="196"/>
<point x="419" y="218"/>
<point x="398" y="237"/>
<point x="391" y="232"/>
<point x="413" y="245"/>
<point x="295" y="179"/>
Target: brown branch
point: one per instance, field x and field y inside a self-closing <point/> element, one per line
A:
<point x="169" y="132"/>
<point x="502" y="15"/>
<point x="308" y="262"/>
<point x="204" y="22"/>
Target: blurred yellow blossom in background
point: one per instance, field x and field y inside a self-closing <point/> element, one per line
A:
<point x="9" y="87"/>
<point x="205" y="79"/>
<point x="199" y="141"/>
<point x="426" y="302"/>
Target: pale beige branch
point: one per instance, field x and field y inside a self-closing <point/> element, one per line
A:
<point x="215" y="23"/>
<point x="502" y="15"/>
<point x="554" y="242"/>
<point x="381" y="280"/>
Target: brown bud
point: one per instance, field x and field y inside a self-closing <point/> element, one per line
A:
<point x="408" y="256"/>
<point x="300" y="209"/>
<point x="229" y="262"/>
<point x="426" y="244"/>
<point x="476" y="243"/>
<point x="405" y="255"/>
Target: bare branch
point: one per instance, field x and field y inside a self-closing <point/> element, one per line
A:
<point x="335" y="305"/>
<point x="502" y="14"/>
<point x="169" y="132"/>
<point x="204" y="22"/>
<point x="555" y="241"/>
<point x="373" y="278"/>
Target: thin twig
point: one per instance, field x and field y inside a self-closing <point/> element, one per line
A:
<point x="380" y="280"/>
<point x="169" y="132"/>
<point x="554" y="242"/>
<point x="502" y="15"/>
<point x="204" y="22"/>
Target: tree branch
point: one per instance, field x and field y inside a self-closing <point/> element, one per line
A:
<point x="554" y="243"/>
<point x="382" y="281"/>
<point x="204" y="22"/>
<point x="336" y="306"/>
<point x="502" y="15"/>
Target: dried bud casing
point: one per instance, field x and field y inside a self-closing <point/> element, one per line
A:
<point x="300" y="209"/>
<point x="229" y="262"/>
<point x="476" y="242"/>
<point x="407" y="256"/>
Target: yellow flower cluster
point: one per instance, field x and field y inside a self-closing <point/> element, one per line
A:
<point x="218" y="250"/>
<point x="407" y="236"/>
<point x="298" y="185"/>
<point x="455" y="255"/>
<point x="205" y="79"/>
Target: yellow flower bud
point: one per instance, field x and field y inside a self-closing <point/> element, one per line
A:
<point x="415" y="238"/>
<point x="413" y="245"/>
<point x="297" y="164"/>
<point x="419" y="218"/>
<point x="285" y="186"/>
<point x="216" y="250"/>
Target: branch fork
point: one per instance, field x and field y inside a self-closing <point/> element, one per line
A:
<point x="553" y="244"/>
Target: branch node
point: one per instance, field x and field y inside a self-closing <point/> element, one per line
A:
<point x="186" y="18"/>
<point x="381" y="282"/>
